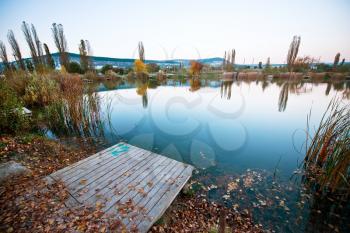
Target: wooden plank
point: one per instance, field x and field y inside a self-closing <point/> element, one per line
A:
<point x="102" y="186"/>
<point x="137" y="196"/>
<point x="70" y="167"/>
<point x="141" y="182"/>
<point x="91" y="165"/>
<point x="160" y="205"/>
<point x="121" y="185"/>
<point x="99" y="170"/>
<point x="155" y="192"/>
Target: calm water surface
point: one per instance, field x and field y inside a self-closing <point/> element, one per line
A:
<point x="231" y="126"/>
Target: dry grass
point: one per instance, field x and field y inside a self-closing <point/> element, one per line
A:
<point x="328" y="154"/>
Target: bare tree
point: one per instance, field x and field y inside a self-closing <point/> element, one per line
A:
<point x="28" y="36"/>
<point x="49" y="60"/>
<point x="61" y="43"/>
<point x="233" y="58"/>
<point x="229" y="60"/>
<point x="268" y="63"/>
<point x="15" y="49"/>
<point x="90" y="54"/>
<point x="3" y="56"/>
<point x="293" y="53"/>
<point x="336" y="61"/>
<point x="141" y="52"/>
<point x="85" y="55"/>
<point x="84" y="63"/>
<point x="224" y="62"/>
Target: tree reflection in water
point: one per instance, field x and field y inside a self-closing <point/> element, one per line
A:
<point x="226" y="88"/>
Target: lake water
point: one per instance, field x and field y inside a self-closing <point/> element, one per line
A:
<point x="227" y="125"/>
<point x="245" y="138"/>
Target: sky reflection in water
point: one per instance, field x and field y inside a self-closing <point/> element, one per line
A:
<point x="228" y="125"/>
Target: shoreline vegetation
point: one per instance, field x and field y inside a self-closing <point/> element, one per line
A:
<point x="69" y="108"/>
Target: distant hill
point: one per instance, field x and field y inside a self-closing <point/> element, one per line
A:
<point x="128" y="62"/>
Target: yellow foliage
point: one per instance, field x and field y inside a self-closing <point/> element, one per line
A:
<point x="139" y="66"/>
<point x="63" y="70"/>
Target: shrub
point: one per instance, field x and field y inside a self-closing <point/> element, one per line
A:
<point x="105" y="68"/>
<point x="343" y="68"/>
<point x="74" y="67"/>
<point x="119" y="70"/>
<point x="11" y="119"/>
<point x="322" y="67"/>
<point x="40" y="90"/>
<point x="152" y="67"/>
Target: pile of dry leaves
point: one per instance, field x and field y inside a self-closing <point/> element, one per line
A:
<point x="196" y="214"/>
<point x="39" y="154"/>
<point x="29" y="204"/>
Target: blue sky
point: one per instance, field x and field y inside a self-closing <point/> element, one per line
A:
<point x="188" y="29"/>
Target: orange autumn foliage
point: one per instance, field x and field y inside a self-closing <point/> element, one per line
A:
<point x="195" y="68"/>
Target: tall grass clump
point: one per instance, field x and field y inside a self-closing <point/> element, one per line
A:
<point x="328" y="154"/>
<point x="75" y="112"/>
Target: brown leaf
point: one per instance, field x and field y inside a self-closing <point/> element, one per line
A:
<point x="82" y="181"/>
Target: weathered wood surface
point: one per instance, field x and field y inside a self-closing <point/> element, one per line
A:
<point x="130" y="183"/>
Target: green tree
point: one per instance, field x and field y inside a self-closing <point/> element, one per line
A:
<point x="105" y="68"/>
<point x="74" y="67"/>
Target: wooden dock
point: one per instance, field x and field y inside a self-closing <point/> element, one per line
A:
<point x="130" y="183"/>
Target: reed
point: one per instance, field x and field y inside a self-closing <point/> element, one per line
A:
<point x="75" y="112"/>
<point x="328" y="153"/>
